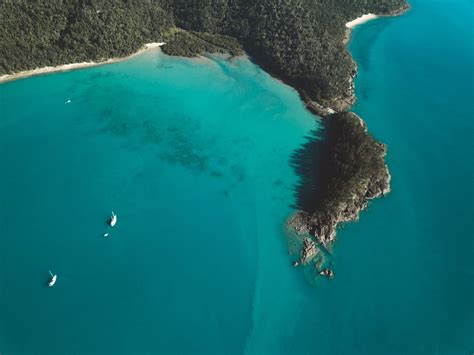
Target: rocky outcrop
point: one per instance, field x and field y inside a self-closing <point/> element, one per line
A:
<point x="327" y="272"/>
<point x="349" y="180"/>
<point x="309" y="250"/>
<point x="323" y="225"/>
<point x="353" y="167"/>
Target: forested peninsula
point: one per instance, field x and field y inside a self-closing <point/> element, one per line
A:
<point x="302" y="42"/>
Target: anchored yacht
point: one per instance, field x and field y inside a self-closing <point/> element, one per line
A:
<point x="113" y="219"/>
<point x="53" y="279"/>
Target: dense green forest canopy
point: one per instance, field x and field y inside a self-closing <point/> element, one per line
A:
<point x="297" y="40"/>
<point x="340" y="165"/>
<point x="51" y="32"/>
<point x="300" y="41"/>
<point x="352" y="160"/>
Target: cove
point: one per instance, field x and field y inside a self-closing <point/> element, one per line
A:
<point x="193" y="156"/>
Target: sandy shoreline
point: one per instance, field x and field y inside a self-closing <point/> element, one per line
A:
<point x="361" y="20"/>
<point x="356" y="22"/>
<point x="66" y="67"/>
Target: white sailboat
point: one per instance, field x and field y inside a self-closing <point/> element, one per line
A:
<point x="113" y="219"/>
<point x="53" y="279"/>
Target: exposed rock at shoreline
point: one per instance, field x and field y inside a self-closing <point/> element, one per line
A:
<point x="350" y="172"/>
<point x="308" y="251"/>
<point x="297" y="42"/>
<point x="370" y="179"/>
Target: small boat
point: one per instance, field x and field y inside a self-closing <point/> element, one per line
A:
<point x="68" y="101"/>
<point x="113" y="219"/>
<point x="53" y="279"/>
<point x="106" y="234"/>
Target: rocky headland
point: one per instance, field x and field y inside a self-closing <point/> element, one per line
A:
<point x="301" y="43"/>
<point x="342" y="169"/>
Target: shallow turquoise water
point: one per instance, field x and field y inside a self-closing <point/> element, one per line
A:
<point x="194" y="158"/>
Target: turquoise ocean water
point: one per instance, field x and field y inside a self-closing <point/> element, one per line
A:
<point x="193" y="156"/>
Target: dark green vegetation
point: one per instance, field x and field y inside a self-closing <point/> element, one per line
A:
<point x="37" y="33"/>
<point x="340" y="173"/>
<point x="354" y="163"/>
<point x="191" y="44"/>
<point x="347" y="162"/>
<point x="299" y="41"/>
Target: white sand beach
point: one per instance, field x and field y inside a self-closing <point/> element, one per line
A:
<point x="72" y="66"/>
<point x="360" y="20"/>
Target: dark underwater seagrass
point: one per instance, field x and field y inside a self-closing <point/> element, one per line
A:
<point x="299" y="41"/>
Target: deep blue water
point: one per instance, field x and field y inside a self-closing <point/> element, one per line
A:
<point x="193" y="156"/>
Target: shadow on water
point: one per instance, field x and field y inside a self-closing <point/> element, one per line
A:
<point x="308" y="163"/>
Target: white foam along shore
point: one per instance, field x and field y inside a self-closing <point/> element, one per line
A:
<point x="72" y="66"/>
<point x="360" y="20"/>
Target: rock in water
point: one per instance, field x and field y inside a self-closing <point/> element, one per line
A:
<point x="309" y="250"/>
<point x="350" y="170"/>
<point x="327" y="272"/>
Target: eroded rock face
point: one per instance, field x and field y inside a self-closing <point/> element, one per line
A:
<point x="321" y="222"/>
<point x="323" y="226"/>
<point x="300" y="222"/>
<point x="325" y="230"/>
<point x="308" y="251"/>
<point x="372" y="180"/>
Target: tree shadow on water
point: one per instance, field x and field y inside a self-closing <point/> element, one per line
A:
<point x="308" y="162"/>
